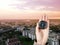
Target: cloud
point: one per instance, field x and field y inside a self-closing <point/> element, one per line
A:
<point x="41" y="7"/>
<point x="49" y="3"/>
<point x="33" y="4"/>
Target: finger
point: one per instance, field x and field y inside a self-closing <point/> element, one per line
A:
<point x="40" y="19"/>
<point x="37" y="26"/>
<point x="48" y="23"/>
<point x="44" y="17"/>
<point x="38" y="22"/>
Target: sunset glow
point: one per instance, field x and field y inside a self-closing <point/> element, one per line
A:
<point x="29" y="9"/>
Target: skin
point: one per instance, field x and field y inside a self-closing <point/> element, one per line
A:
<point x="42" y="34"/>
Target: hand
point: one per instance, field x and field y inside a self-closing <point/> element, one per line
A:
<point x="42" y="34"/>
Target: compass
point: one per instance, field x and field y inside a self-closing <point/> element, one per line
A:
<point x="42" y="24"/>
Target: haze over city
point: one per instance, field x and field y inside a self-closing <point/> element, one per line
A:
<point x="29" y="9"/>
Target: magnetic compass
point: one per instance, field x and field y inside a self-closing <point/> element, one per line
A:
<point x="42" y="24"/>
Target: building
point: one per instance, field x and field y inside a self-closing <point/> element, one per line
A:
<point x="13" y="41"/>
<point x="52" y="40"/>
<point x="19" y="28"/>
<point x="29" y="33"/>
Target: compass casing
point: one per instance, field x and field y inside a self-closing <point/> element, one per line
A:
<point x="42" y="24"/>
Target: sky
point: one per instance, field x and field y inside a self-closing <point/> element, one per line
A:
<point x="29" y="9"/>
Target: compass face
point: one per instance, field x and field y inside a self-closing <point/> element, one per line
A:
<point x="43" y="25"/>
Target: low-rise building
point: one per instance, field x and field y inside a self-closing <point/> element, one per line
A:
<point x="13" y="41"/>
<point x="29" y="33"/>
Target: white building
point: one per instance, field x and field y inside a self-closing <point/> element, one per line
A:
<point x="20" y="28"/>
<point x="52" y="36"/>
<point x="53" y="39"/>
<point x="29" y="33"/>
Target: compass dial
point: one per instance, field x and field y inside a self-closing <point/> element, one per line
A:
<point x="43" y="25"/>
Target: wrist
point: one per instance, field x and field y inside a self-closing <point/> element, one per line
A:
<point x="35" y="43"/>
<point x="39" y="43"/>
